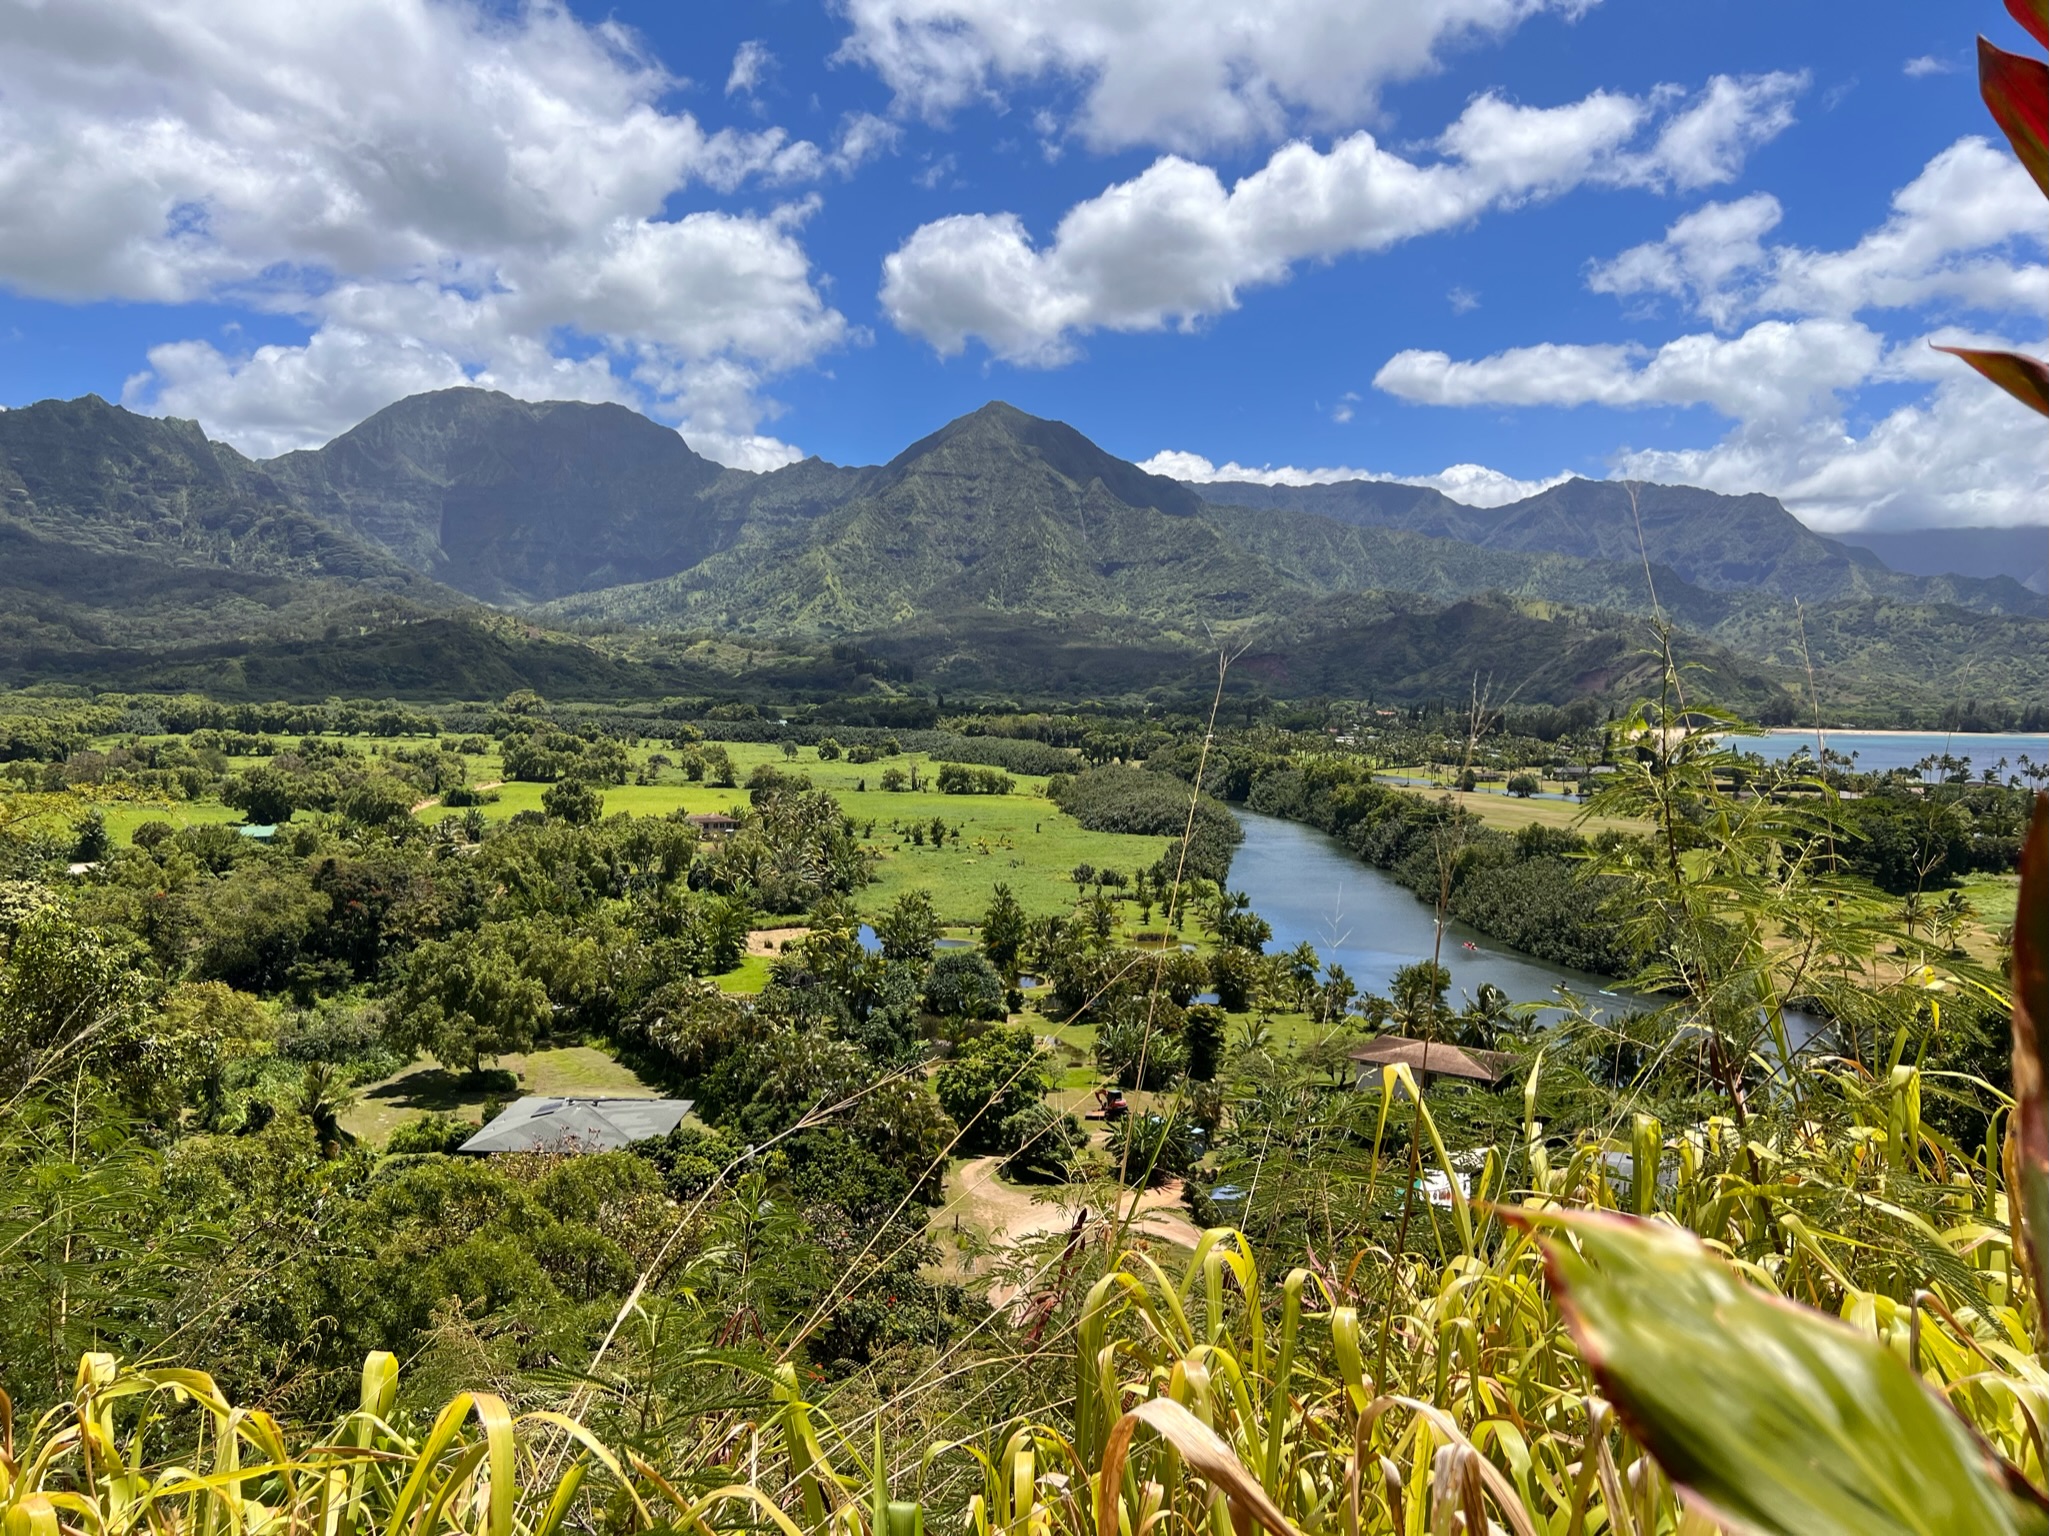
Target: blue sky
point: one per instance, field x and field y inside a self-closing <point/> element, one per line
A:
<point x="1528" y="237"/>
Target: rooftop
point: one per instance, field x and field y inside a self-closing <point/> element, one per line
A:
<point x="1434" y="1056"/>
<point x="577" y="1125"/>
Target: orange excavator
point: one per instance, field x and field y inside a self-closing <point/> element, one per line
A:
<point x="1110" y="1105"/>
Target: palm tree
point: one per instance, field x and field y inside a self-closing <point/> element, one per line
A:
<point x="324" y="1099"/>
<point x="1952" y="917"/>
<point x="1487" y="1017"/>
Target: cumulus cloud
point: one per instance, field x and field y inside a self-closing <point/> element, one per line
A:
<point x="1962" y="456"/>
<point x="1474" y="484"/>
<point x="1180" y="74"/>
<point x="1174" y="245"/>
<point x="1960" y="234"/>
<point x="1776" y="370"/>
<point x="1926" y="64"/>
<point x="1961" y="231"/>
<point x="437" y="190"/>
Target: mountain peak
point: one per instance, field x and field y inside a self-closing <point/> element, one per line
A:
<point x="999" y="432"/>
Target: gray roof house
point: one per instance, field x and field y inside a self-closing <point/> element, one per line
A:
<point x="577" y="1125"/>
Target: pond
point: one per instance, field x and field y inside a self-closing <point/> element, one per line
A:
<point x="1310" y="887"/>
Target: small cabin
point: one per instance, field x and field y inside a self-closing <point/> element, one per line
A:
<point x="577" y="1125"/>
<point x="715" y="826"/>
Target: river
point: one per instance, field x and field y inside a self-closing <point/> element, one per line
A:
<point x="1310" y="887"/>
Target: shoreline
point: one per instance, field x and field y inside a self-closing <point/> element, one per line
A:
<point x="1861" y="730"/>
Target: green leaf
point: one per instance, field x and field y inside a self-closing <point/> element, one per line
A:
<point x="2030" y="1070"/>
<point x="1779" y="1418"/>
<point x="2022" y="377"/>
<point x="2016" y="88"/>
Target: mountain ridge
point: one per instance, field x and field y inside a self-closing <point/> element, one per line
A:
<point x="997" y="538"/>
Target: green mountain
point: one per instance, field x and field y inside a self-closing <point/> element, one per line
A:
<point x="996" y="513"/>
<point x="1003" y="553"/>
<point x="118" y="530"/>
<point x="512" y="502"/>
<point x="1717" y="543"/>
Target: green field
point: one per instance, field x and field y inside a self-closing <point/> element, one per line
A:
<point x="1021" y="839"/>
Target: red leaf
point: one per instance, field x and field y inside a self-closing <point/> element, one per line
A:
<point x="2032" y="14"/>
<point x="2022" y="377"/>
<point x="2030" y="1069"/>
<point x="2016" y="88"/>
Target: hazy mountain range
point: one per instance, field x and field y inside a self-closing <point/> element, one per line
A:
<point x="1002" y="553"/>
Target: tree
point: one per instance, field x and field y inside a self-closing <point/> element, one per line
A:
<point x="995" y="1076"/>
<point x="1418" y="992"/>
<point x="379" y="801"/>
<point x="574" y="802"/>
<point x="828" y="750"/>
<point x="893" y="781"/>
<point x="1232" y="975"/>
<point x="1523" y="785"/>
<point x="262" y="795"/>
<point x="464" y="1000"/>
<point x="1003" y="930"/>
<point x="908" y="930"/>
<point x="1202" y="1026"/>
<point x="963" y="985"/>
<point x="92" y="844"/>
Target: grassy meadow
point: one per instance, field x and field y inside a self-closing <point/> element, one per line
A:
<point x="1021" y="839"/>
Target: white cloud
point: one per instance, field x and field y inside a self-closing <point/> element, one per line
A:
<point x="1463" y="301"/>
<point x="1473" y="484"/>
<point x="435" y="189"/>
<point x="863" y="137"/>
<point x="1926" y="64"/>
<point x="1964" y="455"/>
<point x="1183" y="74"/>
<point x="1961" y="454"/>
<point x="1778" y="370"/>
<point x="1173" y="245"/>
<point x="751" y="63"/>
<point x="1961" y="231"/>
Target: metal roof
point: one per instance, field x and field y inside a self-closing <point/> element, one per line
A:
<point x="577" y="1125"/>
<point x="1427" y="1056"/>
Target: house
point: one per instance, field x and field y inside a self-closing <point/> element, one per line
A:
<point x="714" y="825"/>
<point x="577" y="1125"/>
<point x="1427" y="1059"/>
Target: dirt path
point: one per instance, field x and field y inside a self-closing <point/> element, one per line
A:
<point x="769" y="942"/>
<point x="434" y="800"/>
<point x="1004" y="1215"/>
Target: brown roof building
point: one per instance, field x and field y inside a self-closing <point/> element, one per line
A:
<point x="1427" y="1058"/>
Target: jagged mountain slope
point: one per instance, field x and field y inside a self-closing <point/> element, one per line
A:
<point x="998" y="512"/>
<point x="1718" y="543"/>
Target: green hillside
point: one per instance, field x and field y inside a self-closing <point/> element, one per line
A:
<point x="1002" y="554"/>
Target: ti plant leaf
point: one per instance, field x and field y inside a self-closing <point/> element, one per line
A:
<point x="2030" y="1068"/>
<point x="2032" y="14"/>
<point x="1777" y="1418"/>
<point x="2016" y="88"/>
<point x="2022" y="377"/>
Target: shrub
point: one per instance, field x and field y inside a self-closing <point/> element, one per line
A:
<point x="429" y="1134"/>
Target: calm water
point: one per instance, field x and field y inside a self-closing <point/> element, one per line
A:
<point x="1876" y="751"/>
<point x="1309" y="887"/>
